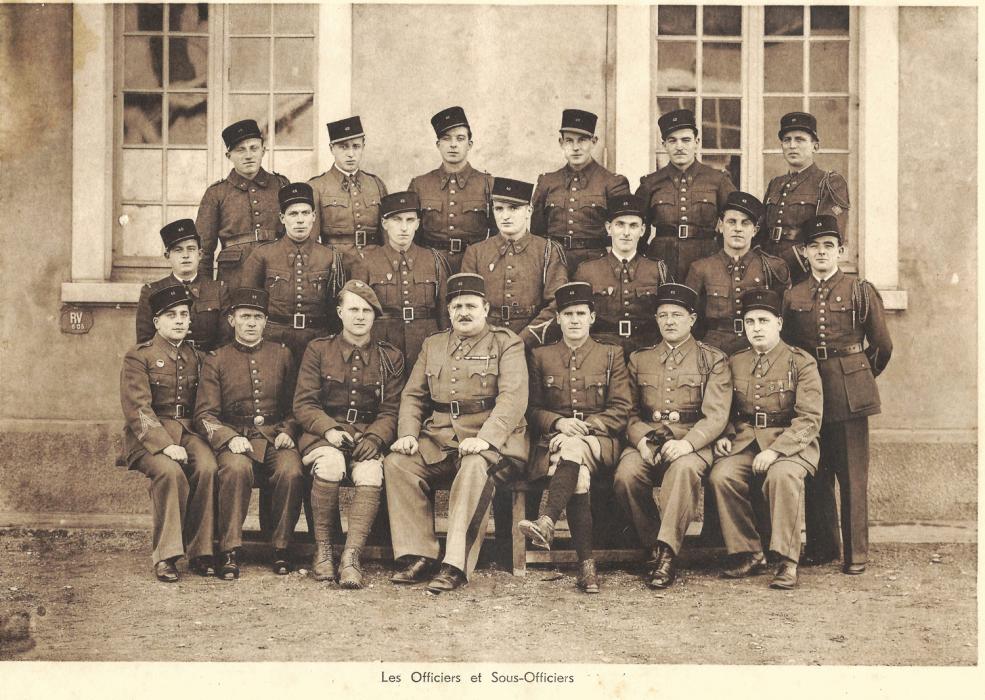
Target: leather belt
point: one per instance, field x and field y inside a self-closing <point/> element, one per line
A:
<point x="823" y="352"/>
<point x="254" y="421"/>
<point x="241" y="238"/>
<point x="409" y="313"/>
<point x="784" y="233"/>
<point x="683" y="231"/>
<point x="572" y="243"/>
<point x="359" y="239"/>
<point x="512" y="312"/>
<point x="454" y="245"/>
<point x="176" y="411"/>
<point x="580" y="415"/>
<point x="625" y="327"/>
<point x="671" y="416"/>
<point x="766" y="419"/>
<point x="300" y="321"/>
<point x="734" y="325"/>
<point x="352" y="416"/>
<point x="462" y="408"/>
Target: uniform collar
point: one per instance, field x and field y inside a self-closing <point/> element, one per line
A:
<point x="584" y="175"/>
<point x="576" y="358"/>
<point x="303" y="248"/>
<point x="829" y="283"/>
<point x="461" y="177"/>
<point x="262" y="179"/>
<point x="743" y="261"/>
<point x="394" y="255"/>
<point x="247" y="348"/>
<point x="348" y="350"/>
<point x="466" y="345"/>
<point x="341" y="174"/>
<point x="519" y="245"/>
<point x="688" y="173"/>
<point x="175" y="279"/>
<point x="169" y="348"/>
<point x="677" y="354"/>
<point x="798" y="177"/>
<point x="768" y="359"/>
<point x="616" y="264"/>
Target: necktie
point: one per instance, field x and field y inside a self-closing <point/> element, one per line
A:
<point x="760" y="365"/>
<point x="350" y="185"/>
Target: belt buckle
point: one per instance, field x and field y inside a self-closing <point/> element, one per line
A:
<point x="569" y="242"/>
<point x="737" y="326"/>
<point x="299" y="321"/>
<point x="776" y="234"/>
<point x="822" y="353"/>
<point x="408" y="312"/>
<point x="351" y="416"/>
<point x="760" y="418"/>
<point x="360" y="239"/>
<point x="455" y="245"/>
<point x="682" y="230"/>
<point x="179" y="411"/>
<point x="258" y="420"/>
<point x="454" y="409"/>
<point x="578" y="415"/>
<point x="504" y="312"/>
<point x="625" y="328"/>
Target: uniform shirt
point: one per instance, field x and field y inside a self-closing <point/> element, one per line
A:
<point x="236" y="210"/>
<point x="453" y="205"/>
<point x="450" y="368"/>
<point x="694" y="196"/>
<point x="690" y="377"/>
<point x="569" y="202"/>
<point x="720" y="281"/>
<point x="836" y="314"/>
<point x="157" y="391"/>
<point x="338" y="381"/>
<point x="345" y="214"/>
<point x="522" y="275"/>
<point x="209" y="328"/>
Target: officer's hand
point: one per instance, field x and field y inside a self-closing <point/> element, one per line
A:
<point x="645" y="452"/>
<point x="472" y="446"/>
<point x="763" y="460"/>
<point x="283" y="441"/>
<point x="239" y="444"/>
<point x="406" y="445"/>
<point x="368" y="447"/>
<point x="722" y="448"/>
<point x="673" y="449"/>
<point x="572" y="427"/>
<point x="336" y="437"/>
<point x="177" y="453"/>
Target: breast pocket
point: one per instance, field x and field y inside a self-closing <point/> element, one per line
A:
<point x="319" y="281"/>
<point x="278" y="286"/>
<point x="839" y="316"/>
<point x="596" y="391"/>
<point x="649" y="389"/>
<point x="705" y="204"/>
<point x="741" y="398"/>
<point x="860" y="385"/>
<point x="424" y="286"/>
<point x="664" y="206"/>
<point x="336" y="214"/>
<point x="799" y="210"/>
<point x="556" y="207"/>
<point x="643" y="302"/>
<point x="591" y="209"/>
<point x="162" y="386"/>
<point x="689" y="390"/>
<point x="474" y="215"/>
<point x="433" y="214"/>
<point x="385" y="287"/>
<point x="483" y="376"/>
<point x="332" y="392"/>
<point x="779" y="396"/>
<point x="370" y="211"/>
<point x="432" y="371"/>
<point x="552" y="391"/>
<point x="717" y="301"/>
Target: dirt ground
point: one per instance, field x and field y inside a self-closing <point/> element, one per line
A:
<point x="91" y="596"/>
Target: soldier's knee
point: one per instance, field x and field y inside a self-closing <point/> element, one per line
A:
<point x="368" y="473"/>
<point x="327" y="463"/>
<point x="571" y="448"/>
<point x="720" y="479"/>
<point x="784" y="475"/>
<point x="584" y="482"/>
<point x="169" y="472"/>
<point x="396" y="463"/>
<point x="689" y="465"/>
<point x="473" y="463"/>
<point x="235" y="467"/>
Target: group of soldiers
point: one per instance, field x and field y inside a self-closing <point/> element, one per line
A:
<point x="472" y="330"/>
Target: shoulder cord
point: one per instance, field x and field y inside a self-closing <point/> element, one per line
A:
<point x="860" y="301"/>
<point x="825" y="188"/>
<point x="704" y="369"/>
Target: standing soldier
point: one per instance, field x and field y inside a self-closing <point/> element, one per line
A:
<point x="183" y="250"/>
<point x="157" y="390"/>
<point x="681" y="398"/>
<point x="410" y="281"/>
<point x="624" y="282"/>
<point x="522" y="271"/>
<point x="244" y="407"/>
<point x="347" y="199"/>
<point x="831" y="315"/>
<point x="240" y="211"/>
<point x="300" y="275"/>
<point x="579" y="404"/>
<point x="454" y="196"/>
<point x="804" y="192"/>
<point x="346" y="401"/>
<point x="721" y="279"/>
<point x="569" y="204"/>
<point x="776" y="414"/>
<point x="681" y="201"/>
<point x="461" y="417"/>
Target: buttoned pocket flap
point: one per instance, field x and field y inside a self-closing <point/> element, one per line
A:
<point x="650" y="380"/>
<point x="432" y="205"/>
<point x="230" y="255"/>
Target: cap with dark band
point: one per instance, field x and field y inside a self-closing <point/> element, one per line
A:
<point x="818" y="226"/>
<point x="465" y="283"/>
<point x="248" y="298"/>
<point x="240" y="131"/>
<point x="178" y="231"/>
<point x="516" y="191"/>
<point x="344" y="129"/>
<point x="169" y="297"/>
<point x="746" y="203"/>
<point x="295" y="193"/>
<point x="623" y="205"/>
<point x="760" y="298"/>
<point x="679" y="294"/>
<point x="798" y="121"/>
<point x="573" y="294"/>
<point x="579" y="121"/>
<point x="678" y="119"/>
<point x="364" y="292"/>
<point x="398" y="203"/>
<point x="448" y="119"/>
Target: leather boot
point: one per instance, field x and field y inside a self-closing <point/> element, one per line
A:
<point x="588" y="579"/>
<point x="362" y="512"/>
<point x="324" y="505"/>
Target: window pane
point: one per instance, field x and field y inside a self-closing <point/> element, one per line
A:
<point x="677" y="20"/>
<point x="141" y="118"/>
<point x="141" y="176"/>
<point x="189" y="63"/>
<point x="187" y="118"/>
<point x="297" y="166"/>
<point x="784" y="20"/>
<point x="721" y="123"/>
<point x="193" y="17"/>
<point x="722" y="20"/>
<point x="832" y="120"/>
<point x="294" y="19"/>
<point x="829" y="19"/>
<point x="294" y="62"/>
<point x="250" y="107"/>
<point x="722" y="68"/>
<point x="676" y="62"/>
<point x="249" y="64"/>
<point x="142" y="62"/>
<point x="181" y="211"/>
<point x="829" y="66"/>
<point x="249" y="19"/>
<point x="186" y="175"/>
<point x="141" y="227"/>
<point x="143" y="18"/>
<point x="669" y="104"/>
<point x="773" y="109"/>
<point x="783" y="66"/>
<point x="731" y="163"/>
<point x="294" y="119"/>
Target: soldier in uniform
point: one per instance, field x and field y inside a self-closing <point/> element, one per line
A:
<point x="522" y="271"/>
<point x="454" y="196"/>
<point x="157" y="391"/>
<point x="720" y="279"/>
<point x="681" y="200"/>
<point x="410" y="281"/>
<point x="244" y="407"/>
<point x="240" y="211"/>
<point x="346" y="401"/>
<point x="569" y="204"/>
<point x="461" y="418"/>
<point x="347" y="199"/>
<point x="300" y="275"/>
<point x="840" y="320"/>
<point x="804" y="192"/>
<point x="624" y="281"/>
<point x="771" y="443"/>
<point x="579" y="404"/>
<point x="681" y="397"/>
<point x="183" y="250"/>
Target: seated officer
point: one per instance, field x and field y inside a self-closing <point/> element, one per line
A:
<point x="347" y="199"/>
<point x="346" y="401"/>
<point x="183" y="250"/>
<point x="300" y="275"/>
<point x="240" y="211"/>
<point x="244" y="407"/>
<point x="454" y="196"/>
<point x="720" y="279"/>
<point x="461" y="417"/>
<point x="569" y="204"/>
<point x="776" y="413"/>
<point x="409" y="280"/>
<point x="624" y="282"/>
<point x="681" y="399"/>
<point x="579" y="403"/>
<point x="157" y="391"/>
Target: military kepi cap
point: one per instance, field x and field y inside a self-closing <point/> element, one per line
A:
<point x="516" y="191"/>
<point x="240" y="131"/>
<point x="248" y="298"/>
<point x="295" y="193"/>
<point x="398" y="203"/>
<point x="465" y="283"/>
<point x="760" y="298"/>
<point x="573" y="294"/>
<point x="746" y="203"/>
<point x="678" y="119"/>
<point x="818" y="226"/>
<point x="169" y="297"/>
<point x="178" y="231"/>
<point x="364" y="292"/>
<point x="448" y="119"/>
<point x="344" y="129"/>
<point x="623" y="205"/>
<point x="798" y="121"/>
<point x="579" y="121"/>
<point x="679" y="294"/>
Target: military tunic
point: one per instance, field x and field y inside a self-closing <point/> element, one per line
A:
<point x="239" y="213"/>
<point x="569" y="206"/>
<point x="455" y="211"/>
<point x="682" y="207"/>
<point x="209" y="328"/>
<point x="348" y="215"/>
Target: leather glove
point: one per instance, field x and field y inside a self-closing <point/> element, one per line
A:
<point x="367" y="447"/>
